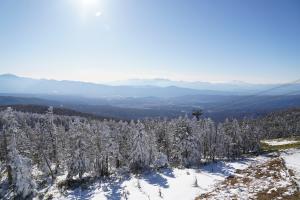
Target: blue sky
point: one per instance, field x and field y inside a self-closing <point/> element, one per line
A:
<point x="198" y="40"/>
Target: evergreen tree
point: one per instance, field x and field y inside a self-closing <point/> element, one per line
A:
<point x="140" y="148"/>
<point x="22" y="181"/>
<point x="18" y="167"/>
<point x="78" y="160"/>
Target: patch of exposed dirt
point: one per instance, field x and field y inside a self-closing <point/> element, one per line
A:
<point x="262" y="181"/>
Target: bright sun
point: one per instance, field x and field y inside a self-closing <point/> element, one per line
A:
<point x="89" y="8"/>
<point x="88" y="3"/>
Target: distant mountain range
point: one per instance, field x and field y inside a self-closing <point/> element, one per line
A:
<point x="162" y="88"/>
<point x="236" y="87"/>
<point x="149" y="98"/>
<point x="14" y="84"/>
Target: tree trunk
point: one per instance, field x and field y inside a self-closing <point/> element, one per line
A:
<point x="48" y="165"/>
<point x="8" y="167"/>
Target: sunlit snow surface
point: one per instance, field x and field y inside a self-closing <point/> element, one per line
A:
<point x="173" y="183"/>
<point x="279" y="142"/>
<point x="292" y="159"/>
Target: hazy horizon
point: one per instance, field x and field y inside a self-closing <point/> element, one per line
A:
<point x="114" y="82"/>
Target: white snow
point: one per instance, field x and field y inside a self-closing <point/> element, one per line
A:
<point x="292" y="160"/>
<point x="279" y="142"/>
<point x="170" y="183"/>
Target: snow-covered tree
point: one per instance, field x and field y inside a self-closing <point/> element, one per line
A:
<point x="18" y="167"/>
<point x="107" y="156"/>
<point x="22" y="181"/>
<point x="140" y="147"/>
<point x="184" y="142"/>
<point x="161" y="161"/>
<point x="78" y="160"/>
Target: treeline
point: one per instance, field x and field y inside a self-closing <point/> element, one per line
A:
<point x="280" y="124"/>
<point x="53" y="144"/>
<point x="42" y="109"/>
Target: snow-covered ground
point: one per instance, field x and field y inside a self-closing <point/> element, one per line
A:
<point x="279" y="142"/>
<point x="292" y="160"/>
<point x="165" y="184"/>
<point x="187" y="184"/>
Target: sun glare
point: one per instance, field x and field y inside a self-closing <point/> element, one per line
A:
<point x="88" y="3"/>
<point x="89" y="8"/>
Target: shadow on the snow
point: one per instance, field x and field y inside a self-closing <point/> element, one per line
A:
<point x="80" y="193"/>
<point x="114" y="189"/>
<point x="167" y="172"/>
<point x="219" y="168"/>
<point x="154" y="178"/>
<point x="222" y="168"/>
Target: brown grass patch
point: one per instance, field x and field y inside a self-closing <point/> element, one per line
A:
<point x="231" y="180"/>
<point x="269" y="148"/>
<point x="255" y="177"/>
<point x="279" y="192"/>
<point x="291" y="172"/>
<point x="246" y="180"/>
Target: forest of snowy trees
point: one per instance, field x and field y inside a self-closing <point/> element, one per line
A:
<point x="80" y="147"/>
